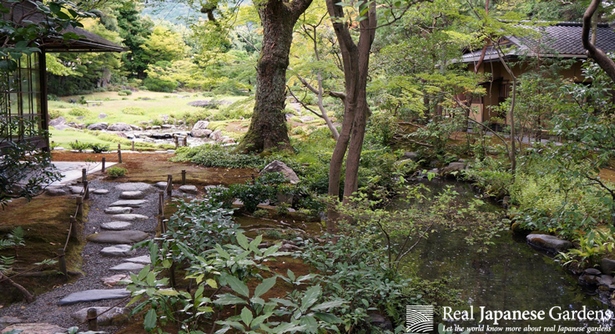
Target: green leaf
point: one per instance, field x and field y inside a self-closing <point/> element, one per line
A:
<point x="238" y="286"/>
<point x="311" y="296"/>
<point x="290" y="275"/>
<point x="246" y="316"/>
<point x="257" y="241"/>
<point x="212" y="283"/>
<point x="150" y="320"/>
<point x="327" y="317"/>
<point x="229" y="299"/>
<point x="168" y="292"/>
<point x="242" y="240"/>
<point x="328" y="305"/>
<point x="265" y="286"/>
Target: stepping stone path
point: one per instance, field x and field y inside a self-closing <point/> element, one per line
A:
<point x="76" y="190"/>
<point x="114" y="210"/>
<point x="117" y="250"/>
<point x="161" y="185"/>
<point x="116" y="225"/>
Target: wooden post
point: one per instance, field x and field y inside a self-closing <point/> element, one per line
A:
<point x="86" y="190"/>
<point x="119" y="153"/>
<point x="133" y="145"/>
<point x="73" y="226"/>
<point x="79" y="201"/>
<point x="104" y="160"/>
<point x="84" y="173"/>
<point x="185" y="140"/>
<point x="183" y="176"/>
<point x="62" y="262"/>
<point x="92" y="319"/>
<point x="176" y="140"/>
<point x="169" y="185"/>
<point x="160" y="202"/>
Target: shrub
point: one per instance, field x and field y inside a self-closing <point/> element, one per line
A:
<point x="116" y="172"/>
<point x="133" y="111"/>
<point x="124" y="92"/>
<point x="99" y="148"/>
<point x="79" y="111"/>
<point x="218" y="156"/>
<point x="158" y="85"/>
<point x="54" y="113"/>
<point x="78" y="146"/>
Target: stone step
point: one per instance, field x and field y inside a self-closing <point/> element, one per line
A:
<point x="134" y="186"/>
<point x="144" y="259"/>
<point x="93" y="295"/>
<point x="117" y="237"/>
<point x="114" y="210"/>
<point x="109" y="316"/>
<point x="114" y="280"/>
<point x="136" y="194"/>
<point x="34" y="328"/>
<point x="116" y="225"/>
<point x="118" y="250"/>
<point x="133" y="203"/>
<point x="128" y="266"/>
<point x="101" y="191"/>
<point x="129" y="217"/>
<point x="189" y="189"/>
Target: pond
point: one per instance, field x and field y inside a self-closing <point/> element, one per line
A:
<point x="511" y="276"/>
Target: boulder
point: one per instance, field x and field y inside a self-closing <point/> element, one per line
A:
<point x="121" y="127"/>
<point x="453" y="168"/>
<point x="216" y="135"/>
<point x="607" y="265"/>
<point x="204" y="104"/>
<point x="227" y="140"/>
<point x="412" y="156"/>
<point x="58" y="123"/>
<point x="189" y="189"/>
<point x="102" y="115"/>
<point x="109" y="316"/>
<point x="548" y="243"/>
<point x="280" y="167"/>
<point x="98" y="126"/>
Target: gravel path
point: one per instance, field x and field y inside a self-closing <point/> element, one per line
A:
<point x="95" y="266"/>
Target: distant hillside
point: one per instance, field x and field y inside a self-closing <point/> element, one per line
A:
<point x="174" y="12"/>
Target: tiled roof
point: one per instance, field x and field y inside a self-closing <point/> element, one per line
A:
<point x="559" y="40"/>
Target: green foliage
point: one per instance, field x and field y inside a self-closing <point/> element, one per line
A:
<point x="116" y="172"/>
<point x="491" y="175"/>
<point x="263" y="188"/>
<point x="160" y="85"/>
<point x="54" y="113"/>
<point x="124" y="92"/>
<point x="78" y="146"/>
<point x="79" y="111"/>
<point x="133" y="111"/>
<point x="218" y="156"/>
<point x="591" y="247"/>
<point x="99" y="148"/>
<point x="237" y="110"/>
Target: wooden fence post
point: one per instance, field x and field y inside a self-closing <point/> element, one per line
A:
<point x="73" y="226"/>
<point x="169" y="185"/>
<point x="186" y="140"/>
<point x="84" y="176"/>
<point x="86" y="190"/>
<point x="92" y="319"/>
<point x="119" y="153"/>
<point x="104" y="160"/>
<point x="79" y="201"/>
<point x="133" y="145"/>
<point x="62" y="262"/>
<point x="176" y="140"/>
<point x="183" y="176"/>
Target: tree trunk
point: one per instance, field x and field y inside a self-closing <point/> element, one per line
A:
<point x="598" y="55"/>
<point x="356" y="111"/>
<point x="268" y="125"/>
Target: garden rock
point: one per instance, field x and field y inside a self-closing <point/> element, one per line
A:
<point x="134" y="186"/>
<point x="116" y="226"/>
<point x="607" y="265"/>
<point x="412" y="156"/>
<point x="216" y="135"/>
<point x="144" y="259"/>
<point x="117" y="237"/>
<point x="120" y="127"/>
<point x="200" y="129"/>
<point x="76" y="190"/>
<point x="114" y="210"/>
<point x="93" y="295"/>
<point x="129" y="217"/>
<point x="118" y="250"/>
<point x="453" y="168"/>
<point x="548" y="243"/>
<point x="136" y="194"/>
<point x="161" y="185"/>
<point x="35" y="328"/>
<point x="128" y="266"/>
<point x="98" y="126"/>
<point x="115" y="279"/>
<point x="133" y="203"/>
<point x="190" y="189"/>
<point x="109" y="316"/>
<point x="58" y="123"/>
<point x="101" y="191"/>
<point x="55" y="191"/>
<point x="280" y="167"/>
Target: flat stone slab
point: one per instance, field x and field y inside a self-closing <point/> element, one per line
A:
<point x="136" y="194"/>
<point x="100" y="191"/>
<point x="133" y="186"/>
<point x="116" y="225"/>
<point x="8" y="320"/>
<point x="115" y="279"/>
<point x="55" y="191"/>
<point x="76" y="190"/>
<point x="128" y="266"/>
<point x="114" y="210"/>
<point x="189" y="189"/>
<point x="117" y="237"/>
<point x="34" y="328"/>
<point x="117" y="250"/>
<point x="144" y="259"/>
<point x="109" y="316"/>
<point x="548" y="242"/>
<point x="161" y="185"/>
<point x="133" y="203"/>
<point x="94" y="295"/>
<point x="129" y="217"/>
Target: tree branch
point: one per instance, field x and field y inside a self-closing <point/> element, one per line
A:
<point x="598" y="55"/>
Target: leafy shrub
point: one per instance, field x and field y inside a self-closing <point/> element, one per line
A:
<point x="218" y="156"/>
<point x="54" y="113"/>
<point x="490" y="175"/>
<point x="99" y="148"/>
<point x="133" y="111"/>
<point x="238" y="110"/>
<point x="264" y="188"/>
<point x="159" y="85"/>
<point x="52" y="97"/>
<point x="79" y="111"/>
<point x="124" y="92"/>
<point x="78" y="146"/>
<point x="116" y="172"/>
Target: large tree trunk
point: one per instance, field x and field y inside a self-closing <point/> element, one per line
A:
<point x="268" y="126"/>
<point x="356" y="111"/>
<point x="598" y="55"/>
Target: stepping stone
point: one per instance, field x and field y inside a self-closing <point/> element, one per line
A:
<point x="144" y="259"/>
<point x="133" y="203"/>
<point x="101" y="191"/>
<point x="115" y="279"/>
<point x="94" y="295"/>
<point x="117" y="237"/>
<point x="128" y="266"/>
<point x="35" y="328"/>
<point x="133" y="186"/>
<point x="109" y="316"/>
<point x="76" y="190"/>
<point x="116" y="225"/>
<point x="129" y="217"/>
<point x="190" y="189"/>
<point x="8" y="320"/>
<point x="161" y="185"/>
<point x="114" y="210"/>
<point x="117" y="250"/>
<point x="55" y="191"/>
<point x="132" y="194"/>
